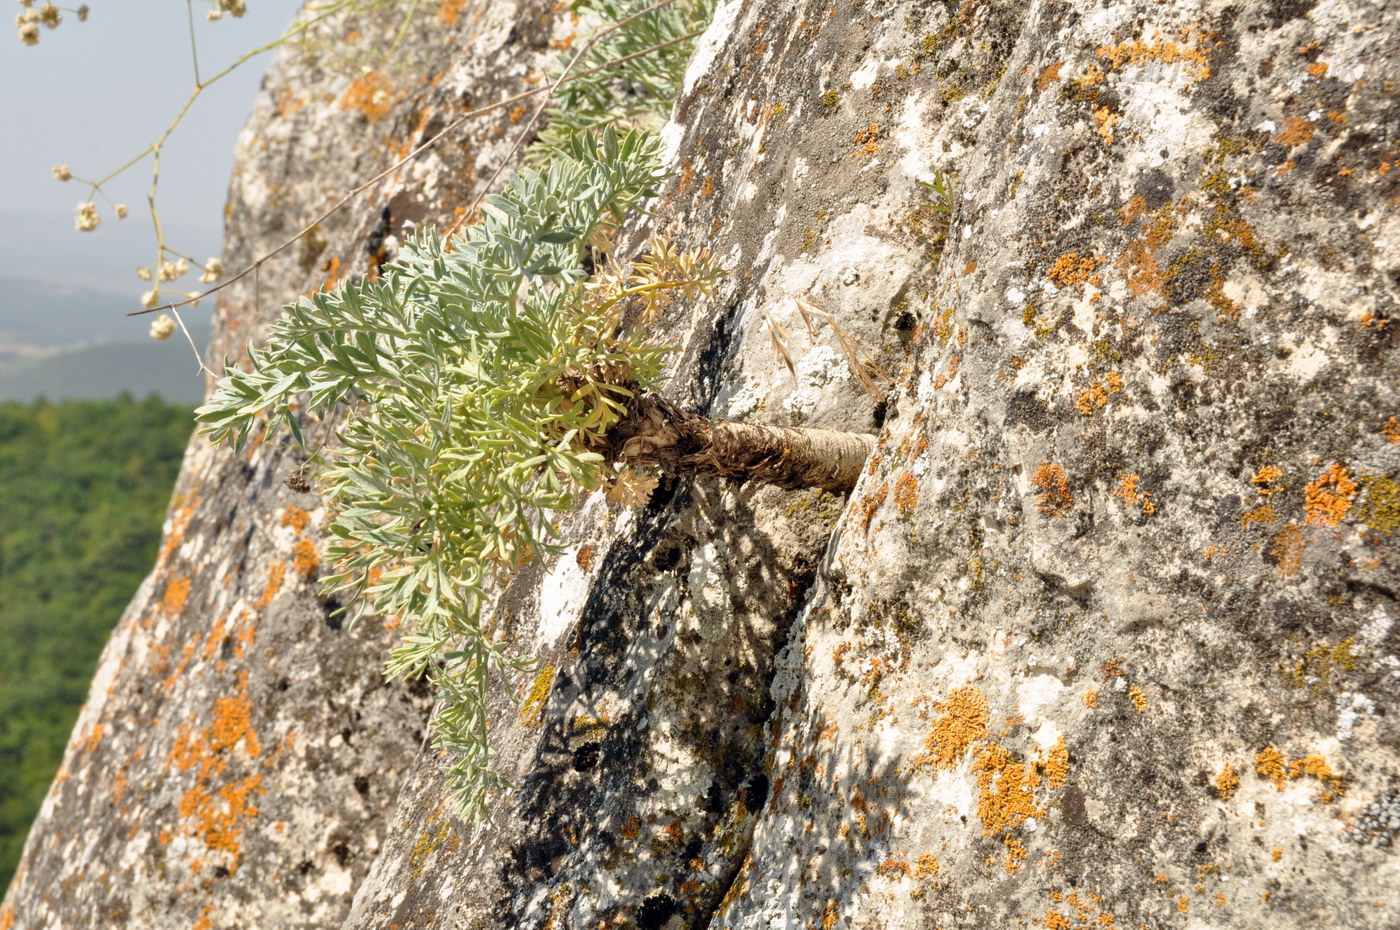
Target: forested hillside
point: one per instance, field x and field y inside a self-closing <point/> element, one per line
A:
<point x="84" y="486"/>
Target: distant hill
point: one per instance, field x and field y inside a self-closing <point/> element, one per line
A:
<point x="105" y="371"/>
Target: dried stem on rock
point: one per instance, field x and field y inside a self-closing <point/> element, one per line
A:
<point x="657" y="432"/>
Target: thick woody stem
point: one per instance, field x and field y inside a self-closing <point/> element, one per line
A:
<point x="657" y="432"/>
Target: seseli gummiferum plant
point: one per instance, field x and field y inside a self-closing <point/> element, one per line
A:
<point x="489" y="382"/>
<point x="481" y="381"/>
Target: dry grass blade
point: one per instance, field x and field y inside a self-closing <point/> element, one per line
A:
<point x="779" y="336"/>
<point x="860" y="362"/>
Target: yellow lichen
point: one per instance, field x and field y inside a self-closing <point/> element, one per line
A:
<point x="1139" y="699"/>
<point x="532" y="707"/>
<point x="1319" y="664"/>
<point x="1379" y="506"/>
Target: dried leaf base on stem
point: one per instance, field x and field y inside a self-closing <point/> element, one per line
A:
<point x="658" y="433"/>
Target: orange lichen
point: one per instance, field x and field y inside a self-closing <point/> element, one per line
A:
<point x="1327" y="498"/>
<point x="867" y="141"/>
<point x="829" y="916"/>
<point x="1056" y="767"/>
<point x="1269" y="763"/>
<point x="926" y="864"/>
<point x="1266" y="477"/>
<point x="1264" y="514"/>
<point x="1054" y="499"/>
<point x="1006" y="790"/>
<point x="1139" y="699"/>
<point x="1315" y="766"/>
<point x="176" y="593"/>
<point x="1129" y="494"/>
<point x="1104" y="120"/>
<point x="1276" y="853"/>
<point x="217" y="817"/>
<point x="1139" y="267"/>
<point x="1287" y="549"/>
<point x="1137" y="52"/>
<point x="906" y="495"/>
<point x="870" y="505"/>
<point x="232" y="725"/>
<point x="962" y="721"/>
<point x="1296" y="131"/>
<point x="276" y="575"/>
<point x="1015" y="853"/>
<point x="1227" y="782"/>
<point x="1050" y="75"/>
<point x="1072" y="270"/>
<point x="305" y="561"/>
<point x="371" y="95"/>
<point x="449" y="11"/>
<point x="1391" y="431"/>
<point x="296" y="518"/>
<point x="288" y="104"/>
<point x="1091" y="697"/>
<point x="1090" y="399"/>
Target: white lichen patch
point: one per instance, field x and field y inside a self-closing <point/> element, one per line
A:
<point x="816" y="370"/>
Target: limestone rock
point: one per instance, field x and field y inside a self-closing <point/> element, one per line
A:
<point x="1106" y="635"/>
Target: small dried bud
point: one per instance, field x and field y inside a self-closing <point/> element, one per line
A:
<point x="213" y="271"/>
<point x="150" y="299"/>
<point x="29" y="33"/>
<point x="87" y="217"/>
<point x="194" y="297"/>
<point x="296" y="480"/>
<point x="61" y="173"/>
<point x="50" y="16"/>
<point x="120" y="210"/>
<point x="162" y="328"/>
<point x="143" y="273"/>
<point x="82" y="12"/>
<point x="233" y="7"/>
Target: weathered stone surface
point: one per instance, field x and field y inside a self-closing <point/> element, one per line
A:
<point x="1105" y="635"/>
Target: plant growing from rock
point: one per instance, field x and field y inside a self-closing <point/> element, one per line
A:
<point x="490" y="382"/>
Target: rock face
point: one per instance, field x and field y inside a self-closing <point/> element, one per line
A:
<point x="1106" y="635"/>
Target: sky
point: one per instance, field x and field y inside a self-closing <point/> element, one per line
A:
<point x="92" y="95"/>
